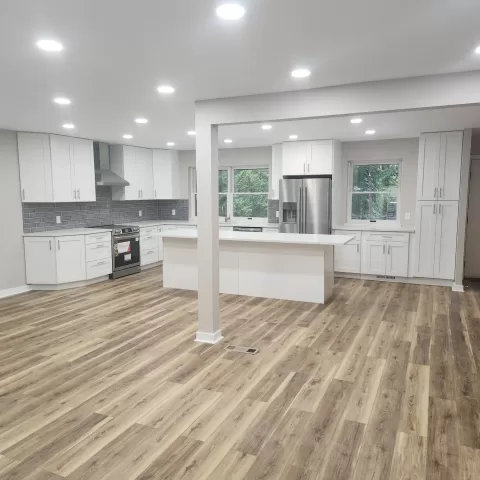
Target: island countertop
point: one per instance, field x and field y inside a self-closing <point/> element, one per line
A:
<point x="267" y="237"/>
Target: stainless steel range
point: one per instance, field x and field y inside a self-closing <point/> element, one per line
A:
<point x="125" y="249"/>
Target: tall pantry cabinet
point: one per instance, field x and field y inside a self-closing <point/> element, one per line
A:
<point x="438" y="191"/>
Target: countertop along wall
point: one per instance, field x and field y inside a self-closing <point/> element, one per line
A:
<point x="12" y="265"/>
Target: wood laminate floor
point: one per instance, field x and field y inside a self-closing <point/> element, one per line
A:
<point x="105" y="382"/>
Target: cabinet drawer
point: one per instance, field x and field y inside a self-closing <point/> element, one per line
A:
<point x="99" y="237"/>
<point x="149" y="256"/>
<point x="387" y="236"/>
<point x="148" y="243"/>
<point x="98" y="251"/>
<point x="147" y="231"/>
<point x="99" y="268"/>
<point x="358" y="235"/>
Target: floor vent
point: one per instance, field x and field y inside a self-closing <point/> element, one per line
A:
<point x="239" y="348"/>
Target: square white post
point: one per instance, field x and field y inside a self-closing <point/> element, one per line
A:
<point x="208" y="242"/>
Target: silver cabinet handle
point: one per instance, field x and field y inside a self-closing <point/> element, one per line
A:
<point x="388" y="250"/>
<point x="441" y="192"/>
<point x="23" y="193"/>
<point x="78" y="194"/>
<point x="58" y="242"/>
<point x="103" y="262"/>
<point x="384" y="249"/>
<point x="75" y="194"/>
<point x="358" y="247"/>
<point x="308" y="167"/>
<point x="434" y="208"/>
<point x="435" y="192"/>
<point x="155" y="193"/>
<point x="50" y="244"/>
<point x="101" y="246"/>
<point x="439" y="208"/>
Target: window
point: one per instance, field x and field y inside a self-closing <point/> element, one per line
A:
<point x="373" y="189"/>
<point x="242" y="192"/>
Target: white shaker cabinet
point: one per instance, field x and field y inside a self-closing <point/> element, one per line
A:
<point x="320" y="157"/>
<point x="40" y="263"/>
<point x="166" y="175"/>
<point x="386" y="253"/>
<point x="35" y="167"/>
<point x="347" y="258"/>
<point x="83" y="170"/>
<point x="396" y="259"/>
<point x="294" y="158"/>
<point x="144" y="172"/>
<point x="375" y="257"/>
<point x="425" y="238"/>
<point x="64" y="189"/>
<point x="276" y="171"/>
<point x="70" y="258"/>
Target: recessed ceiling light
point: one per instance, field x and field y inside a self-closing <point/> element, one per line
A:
<point x="141" y="120"/>
<point x="191" y="133"/>
<point x="230" y="11"/>
<point x="165" y="89"/>
<point x="127" y="136"/>
<point x="301" y="73"/>
<point x="356" y="120"/>
<point x="170" y="144"/>
<point x="68" y="125"/>
<point x="228" y="140"/>
<point x="477" y="50"/>
<point x="293" y="137"/>
<point x="50" y="45"/>
<point x="266" y="127"/>
<point x="370" y="132"/>
<point x="62" y="101"/>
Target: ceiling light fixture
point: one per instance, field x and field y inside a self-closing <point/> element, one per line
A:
<point x="477" y="50"/>
<point x="62" y="101"/>
<point x="266" y="127"/>
<point x="170" y="144"/>
<point x="230" y="11"/>
<point x="356" y="120"/>
<point x="370" y="132"/>
<point x="165" y="89"/>
<point x="141" y="120"/>
<point x="301" y="73"/>
<point x="228" y="140"/>
<point x="69" y="126"/>
<point x="49" y="45"/>
<point x="191" y="133"/>
<point x="127" y="136"/>
<point x="293" y="137"/>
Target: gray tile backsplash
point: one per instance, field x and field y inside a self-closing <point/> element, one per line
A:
<point x="273" y="206"/>
<point x="39" y="217"/>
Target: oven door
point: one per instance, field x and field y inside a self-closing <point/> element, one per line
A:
<point x="126" y="251"/>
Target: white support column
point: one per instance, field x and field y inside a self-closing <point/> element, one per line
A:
<point x="208" y="243"/>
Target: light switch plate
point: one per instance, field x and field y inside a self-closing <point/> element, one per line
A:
<point x="140" y="213"/>
<point x="59" y="219"/>
<point x="277" y="214"/>
<point x="407" y="215"/>
<point x="173" y="212"/>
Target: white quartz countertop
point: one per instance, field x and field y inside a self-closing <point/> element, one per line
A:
<point x="68" y="232"/>
<point x="368" y="227"/>
<point x="268" y="237"/>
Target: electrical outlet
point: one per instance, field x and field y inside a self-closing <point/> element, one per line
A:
<point x="140" y="213"/>
<point x="59" y="219"/>
<point x="407" y="215"/>
<point x="173" y="212"/>
<point x="277" y="214"/>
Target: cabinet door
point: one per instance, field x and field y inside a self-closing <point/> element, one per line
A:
<point x="446" y="240"/>
<point x="276" y="172"/>
<point x="130" y="172"/>
<point x="347" y="258"/>
<point x="70" y="254"/>
<point x="143" y="161"/>
<point x="428" y="166"/>
<point x="83" y="170"/>
<point x="35" y="167"/>
<point x="61" y="151"/>
<point x="294" y="161"/>
<point x="425" y="238"/>
<point x="375" y="258"/>
<point x="165" y="175"/>
<point x="450" y="165"/>
<point x="397" y="259"/>
<point x="40" y="260"/>
<point x="320" y="158"/>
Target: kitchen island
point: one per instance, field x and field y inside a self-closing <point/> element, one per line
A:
<point x="283" y="266"/>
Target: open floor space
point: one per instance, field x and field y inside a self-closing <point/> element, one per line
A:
<point x="105" y="382"/>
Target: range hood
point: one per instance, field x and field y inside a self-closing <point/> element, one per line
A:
<point x="103" y="175"/>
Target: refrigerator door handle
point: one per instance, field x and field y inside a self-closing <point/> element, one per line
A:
<point x="300" y="210"/>
<point x="305" y="211"/>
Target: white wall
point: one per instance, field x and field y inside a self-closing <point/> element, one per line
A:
<point x="376" y="150"/>
<point x="229" y="157"/>
<point x="12" y="265"/>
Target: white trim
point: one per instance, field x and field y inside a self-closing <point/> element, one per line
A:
<point x="457" y="288"/>
<point x="211" y="338"/>
<point x="67" y="286"/>
<point x="10" y="292"/>
<point x="412" y="280"/>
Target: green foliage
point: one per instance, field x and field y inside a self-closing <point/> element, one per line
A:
<point x="250" y="181"/>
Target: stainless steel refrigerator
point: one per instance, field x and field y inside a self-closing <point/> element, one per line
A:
<point x="306" y="205"/>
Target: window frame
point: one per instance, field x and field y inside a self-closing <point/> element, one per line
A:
<point x="350" y="192"/>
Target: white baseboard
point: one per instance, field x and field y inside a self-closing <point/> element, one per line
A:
<point x="412" y="280"/>
<point x="203" y="337"/>
<point x="67" y="286"/>
<point x="457" y="288"/>
<point x="10" y="292"/>
<point x="151" y="265"/>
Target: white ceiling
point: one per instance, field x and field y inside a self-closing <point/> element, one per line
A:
<point x="118" y="51"/>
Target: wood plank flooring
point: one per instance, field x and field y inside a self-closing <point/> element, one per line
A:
<point x="106" y="382"/>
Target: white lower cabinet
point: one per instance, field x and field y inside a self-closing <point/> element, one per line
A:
<point x="397" y="259"/>
<point x="70" y="257"/>
<point x="347" y="258"/>
<point x="148" y="245"/>
<point x="40" y="263"/>
<point x="375" y="259"/>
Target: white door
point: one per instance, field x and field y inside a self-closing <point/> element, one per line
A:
<point x="446" y="240"/>
<point x="61" y="152"/>
<point x="35" y="167"/>
<point x="83" y="170"/>
<point x="320" y="158"/>
<point x="472" y="252"/>
<point x="428" y="166"/>
<point x="347" y="258"/>
<point x="130" y="172"/>
<point x="70" y="253"/>
<point x="375" y="258"/>
<point x="144" y="165"/>
<point x="397" y="259"/>
<point x="294" y="160"/>
<point x="425" y="238"/>
<point x="450" y="165"/>
<point x="40" y="260"/>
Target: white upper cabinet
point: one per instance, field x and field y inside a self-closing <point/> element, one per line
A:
<point x="144" y="169"/>
<point x="309" y="158"/>
<point x="54" y="168"/>
<point x="276" y="171"/>
<point x="35" y="167"/>
<point x="294" y="158"/>
<point x="439" y="164"/>
<point x="166" y="175"/>
<point x="320" y="158"/>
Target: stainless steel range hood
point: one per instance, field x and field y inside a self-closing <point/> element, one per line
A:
<point x="103" y="175"/>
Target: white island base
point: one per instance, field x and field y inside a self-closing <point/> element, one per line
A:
<point x="271" y="265"/>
